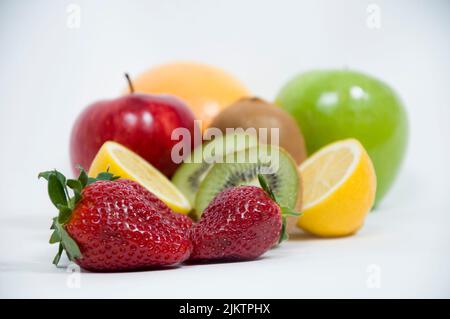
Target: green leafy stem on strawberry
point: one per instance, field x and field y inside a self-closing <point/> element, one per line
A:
<point x="58" y="191"/>
<point x="285" y="211"/>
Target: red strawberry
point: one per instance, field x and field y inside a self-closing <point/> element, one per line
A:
<point x="180" y="220"/>
<point x="114" y="225"/>
<point x="240" y="223"/>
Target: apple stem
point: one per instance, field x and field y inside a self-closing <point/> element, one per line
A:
<point x="130" y="84"/>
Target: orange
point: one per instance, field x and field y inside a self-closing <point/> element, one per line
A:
<point x="206" y="89"/>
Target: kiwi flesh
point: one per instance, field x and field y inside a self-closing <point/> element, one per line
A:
<point x="194" y="169"/>
<point x="256" y="113"/>
<point x="274" y="163"/>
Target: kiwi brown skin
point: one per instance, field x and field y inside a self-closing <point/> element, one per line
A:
<point x="256" y="113"/>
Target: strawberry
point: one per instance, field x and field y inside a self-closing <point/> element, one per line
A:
<point x="240" y="223"/>
<point x="114" y="224"/>
<point x="180" y="220"/>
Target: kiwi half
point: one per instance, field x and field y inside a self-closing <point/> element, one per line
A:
<point x="277" y="166"/>
<point x="192" y="172"/>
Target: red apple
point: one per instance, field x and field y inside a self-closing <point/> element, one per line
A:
<point x="141" y="122"/>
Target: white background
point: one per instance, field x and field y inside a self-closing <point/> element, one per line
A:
<point x="50" y="72"/>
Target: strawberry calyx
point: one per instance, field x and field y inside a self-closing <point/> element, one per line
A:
<point x="58" y="190"/>
<point x="285" y="211"/>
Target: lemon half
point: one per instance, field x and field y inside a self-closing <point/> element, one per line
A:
<point x="339" y="189"/>
<point x="125" y="163"/>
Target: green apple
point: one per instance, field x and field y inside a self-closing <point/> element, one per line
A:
<point x="330" y="105"/>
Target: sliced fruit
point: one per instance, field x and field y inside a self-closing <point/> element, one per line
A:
<point x="277" y="166"/>
<point x="339" y="189"/>
<point x="192" y="172"/>
<point x="122" y="162"/>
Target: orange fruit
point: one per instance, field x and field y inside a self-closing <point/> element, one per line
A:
<point x="206" y="89"/>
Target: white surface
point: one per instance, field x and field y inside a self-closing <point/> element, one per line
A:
<point x="50" y="72"/>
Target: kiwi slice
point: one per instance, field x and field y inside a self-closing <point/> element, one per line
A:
<point x="277" y="166"/>
<point x="194" y="169"/>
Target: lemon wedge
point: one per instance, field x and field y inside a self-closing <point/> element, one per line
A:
<point x="125" y="163"/>
<point x="339" y="189"/>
